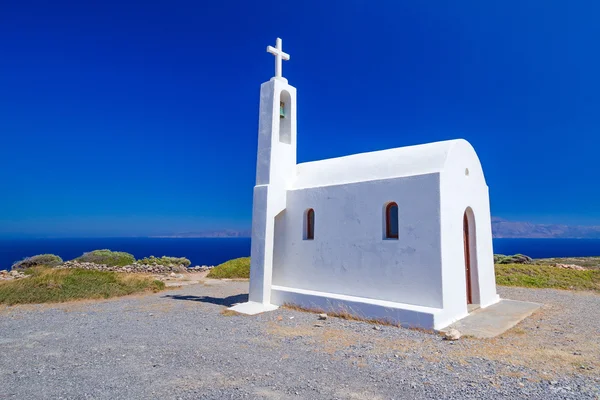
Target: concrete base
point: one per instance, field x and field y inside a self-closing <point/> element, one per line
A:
<point x="253" y="308"/>
<point x="494" y="320"/>
<point x="407" y="315"/>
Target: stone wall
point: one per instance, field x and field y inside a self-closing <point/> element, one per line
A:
<point x="11" y="275"/>
<point x="136" y="268"/>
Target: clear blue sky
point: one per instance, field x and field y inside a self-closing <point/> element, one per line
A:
<point x="122" y="118"/>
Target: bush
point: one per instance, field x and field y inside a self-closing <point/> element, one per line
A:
<point x="164" y="260"/>
<point x="236" y="268"/>
<point x="47" y="260"/>
<point x="516" y="259"/>
<point x="107" y="257"/>
<point x="49" y="285"/>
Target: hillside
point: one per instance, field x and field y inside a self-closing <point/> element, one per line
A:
<point x="502" y="228"/>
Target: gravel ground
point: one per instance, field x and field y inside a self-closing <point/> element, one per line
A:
<point x="180" y="345"/>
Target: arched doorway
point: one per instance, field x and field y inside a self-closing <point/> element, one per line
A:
<point x="470" y="252"/>
<point x="466" y="240"/>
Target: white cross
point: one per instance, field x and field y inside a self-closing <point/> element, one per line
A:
<point x="279" y="55"/>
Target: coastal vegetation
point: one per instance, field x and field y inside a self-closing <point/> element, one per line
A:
<point x="512" y="270"/>
<point x="47" y="260"/>
<point x="547" y="276"/>
<point x="575" y="273"/>
<point x="238" y="268"/>
<point x="107" y="257"/>
<point x="104" y="260"/>
<point x="514" y="259"/>
<point x="164" y="260"/>
<point x="102" y="257"/>
<point x="585" y="262"/>
<point x="51" y="285"/>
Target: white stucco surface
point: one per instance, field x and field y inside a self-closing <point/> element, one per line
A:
<point x="350" y="255"/>
<point x="393" y="163"/>
<point x="417" y="279"/>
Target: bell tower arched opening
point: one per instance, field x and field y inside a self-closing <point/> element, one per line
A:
<point x="285" y="117"/>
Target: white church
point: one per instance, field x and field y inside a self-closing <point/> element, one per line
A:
<point x="402" y="235"/>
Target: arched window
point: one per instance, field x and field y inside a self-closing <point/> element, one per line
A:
<point x="285" y="117"/>
<point x="391" y="221"/>
<point x="309" y="225"/>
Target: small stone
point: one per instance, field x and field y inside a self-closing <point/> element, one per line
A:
<point x="452" y="334"/>
<point x="377" y="328"/>
<point x="318" y="325"/>
<point x="323" y="316"/>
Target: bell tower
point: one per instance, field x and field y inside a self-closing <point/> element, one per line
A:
<point x="275" y="172"/>
<point x="276" y="161"/>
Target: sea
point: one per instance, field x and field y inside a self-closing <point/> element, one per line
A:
<point x="213" y="251"/>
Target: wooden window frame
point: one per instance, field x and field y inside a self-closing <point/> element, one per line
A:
<point x="310" y="224"/>
<point x="388" y="222"/>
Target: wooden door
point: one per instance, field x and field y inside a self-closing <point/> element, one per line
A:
<point x="466" y="241"/>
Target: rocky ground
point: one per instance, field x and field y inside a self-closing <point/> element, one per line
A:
<point x="183" y="344"/>
<point x="11" y="275"/>
<point x="582" y="262"/>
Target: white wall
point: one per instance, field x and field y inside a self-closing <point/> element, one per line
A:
<point x="462" y="189"/>
<point x="349" y="254"/>
<point x="275" y="170"/>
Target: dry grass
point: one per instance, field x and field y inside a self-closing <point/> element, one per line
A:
<point x="342" y="314"/>
<point x="48" y="285"/>
<point x="547" y="276"/>
<point x="586" y="262"/>
<point x="349" y="315"/>
<point x="230" y="313"/>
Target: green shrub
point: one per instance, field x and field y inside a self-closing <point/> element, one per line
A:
<point x="107" y="257"/>
<point x="515" y="259"/>
<point x="164" y="260"/>
<point x="236" y="268"/>
<point x="49" y="285"/>
<point x="48" y="260"/>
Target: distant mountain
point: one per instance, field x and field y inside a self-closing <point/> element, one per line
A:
<point x="502" y="228"/>
<point x="211" y="234"/>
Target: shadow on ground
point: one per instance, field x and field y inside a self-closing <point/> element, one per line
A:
<point x="221" y="301"/>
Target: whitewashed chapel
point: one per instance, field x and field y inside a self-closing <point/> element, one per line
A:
<point x="401" y="234"/>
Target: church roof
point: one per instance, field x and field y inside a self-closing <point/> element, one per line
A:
<point x="393" y="163"/>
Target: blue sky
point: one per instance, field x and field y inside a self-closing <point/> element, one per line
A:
<point x="122" y="118"/>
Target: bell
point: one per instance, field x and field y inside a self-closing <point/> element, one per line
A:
<point x="281" y="109"/>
